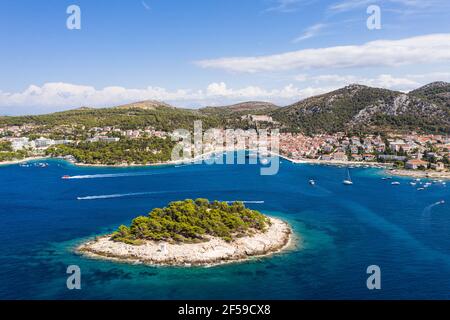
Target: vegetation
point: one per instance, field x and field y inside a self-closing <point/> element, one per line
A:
<point x="8" y="154"/>
<point x="160" y="118"/>
<point x="130" y="151"/>
<point x="367" y="110"/>
<point x="355" y="109"/>
<point x="193" y="221"/>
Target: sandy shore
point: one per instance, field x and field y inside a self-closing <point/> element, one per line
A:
<point x="214" y="252"/>
<point x="7" y="163"/>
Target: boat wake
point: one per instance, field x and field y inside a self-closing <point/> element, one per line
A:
<point x="121" y="195"/>
<point x="427" y="211"/>
<point x="111" y="175"/>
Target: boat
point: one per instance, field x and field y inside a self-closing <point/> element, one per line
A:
<point x="65" y="177"/>
<point x="41" y="165"/>
<point x="420" y="189"/>
<point x="312" y="182"/>
<point x="348" y="181"/>
<point x="441" y="202"/>
<point x="264" y="161"/>
<point x="413" y="183"/>
<point x="395" y="183"/>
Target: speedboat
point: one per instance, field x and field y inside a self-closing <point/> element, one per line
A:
<point x="65" y="177"/>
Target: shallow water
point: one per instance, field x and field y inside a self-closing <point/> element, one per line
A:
<point x="340" y="231"/>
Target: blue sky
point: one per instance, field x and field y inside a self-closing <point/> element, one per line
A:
<point x="193" y="53"/>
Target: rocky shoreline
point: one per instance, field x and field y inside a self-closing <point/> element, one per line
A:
<point x="421" y="174"/>
<point x="213" y="252"/>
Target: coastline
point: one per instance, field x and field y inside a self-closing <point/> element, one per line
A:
<point x="420" y="174"/>
<point x="215" y="252"/>
<point x="12" y="162"/>
<point x="394" y="172"/>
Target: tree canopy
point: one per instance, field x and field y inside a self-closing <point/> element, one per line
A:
<point x="193" y="221"/>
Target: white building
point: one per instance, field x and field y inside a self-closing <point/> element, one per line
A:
<point x="44" y="142"/>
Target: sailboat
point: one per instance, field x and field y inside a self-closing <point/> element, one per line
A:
<point x="348" y="181"/>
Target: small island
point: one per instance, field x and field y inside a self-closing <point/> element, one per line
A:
<point x="193" y="233"/>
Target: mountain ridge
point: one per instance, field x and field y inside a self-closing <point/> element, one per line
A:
<point x="354" y="108"/>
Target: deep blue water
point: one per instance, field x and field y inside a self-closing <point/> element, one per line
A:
<point x="340" y="232"/>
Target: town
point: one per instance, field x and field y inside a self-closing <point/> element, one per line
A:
<point x="412" y="151"/>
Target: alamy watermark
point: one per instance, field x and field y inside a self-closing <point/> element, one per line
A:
<point x="374" y="280"/>
<point x="374" y="19"/>
<point x="74" y="280"/>
<point x="73" y="22"/>
<point x="203" y="147"/>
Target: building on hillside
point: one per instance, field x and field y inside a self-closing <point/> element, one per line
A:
<point x="415" y="164"/>
<point x="438" y="166"/>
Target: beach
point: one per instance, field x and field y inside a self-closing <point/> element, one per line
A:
<point x="216" y="251"/>
<point x="12" y="162"/>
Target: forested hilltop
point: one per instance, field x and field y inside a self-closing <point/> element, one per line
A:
<point x="364" y="109"/>
<point x="193" y="221"/>
<point x="142" y="151"/>
<point x="355" y="108"/>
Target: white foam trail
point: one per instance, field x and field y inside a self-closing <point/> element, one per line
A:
<point x="123" y="195"/>
<point x="427" y="211"/>
<point x="119" y="195"/>
<point x="110" y="175"/>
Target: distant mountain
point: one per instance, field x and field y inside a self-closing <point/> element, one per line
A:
<point x="362" y="108"/>
<point x="436" y="92"/>
<point x="355" y="108"/>
<point x="249" y="107"/>
<point x="145" y="105"/>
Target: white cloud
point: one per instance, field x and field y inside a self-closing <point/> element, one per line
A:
<point x="62" y="96"/>
<point x="287" y="5"/>
<point x="310" y="32"/>
<point x="390" y="53"/>
<point x="403" y="83"/>
<point x="348" y="5"/>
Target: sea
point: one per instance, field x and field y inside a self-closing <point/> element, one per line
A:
<point x="340" y="232"/>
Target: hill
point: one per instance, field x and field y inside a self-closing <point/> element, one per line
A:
<point x="146" y="105"/>
<point x="250" y="107"/>
<point x="354" y="108"/>
<point x="362" y="108"/>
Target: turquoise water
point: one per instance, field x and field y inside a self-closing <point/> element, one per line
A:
<point x="340" y="231"/>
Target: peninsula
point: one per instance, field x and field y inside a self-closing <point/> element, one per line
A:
<point x="192" y="233"/>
